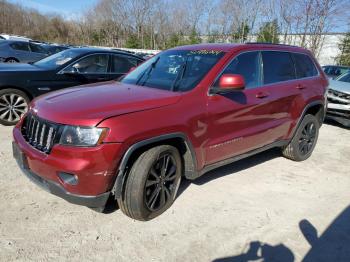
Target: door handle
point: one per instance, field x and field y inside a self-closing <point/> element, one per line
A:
<point x="261" y="95"/>
<point x="102" y="78"/>
<point x="300" y="87"/>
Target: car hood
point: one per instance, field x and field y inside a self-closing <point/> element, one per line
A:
<point x="90" y="104"/>
<point x="339" y="86"/>
<point x="8" y="67"/>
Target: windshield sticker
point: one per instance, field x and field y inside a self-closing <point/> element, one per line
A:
<point x="205" y="52"/>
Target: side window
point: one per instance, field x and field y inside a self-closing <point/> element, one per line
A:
<point x="122" y="64"/>
<point x="20" y="46"/>
<point x="247" y="65"/>
<point x="304" y="66"/>
<point x="278" y="67"/>
<point x="37" y="48"/>
<point x="92" y="64"/>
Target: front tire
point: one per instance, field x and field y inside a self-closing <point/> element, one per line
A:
<point x="152" y="183"/>
<point x="304" y="141"/>
<point x="13" y="104"/>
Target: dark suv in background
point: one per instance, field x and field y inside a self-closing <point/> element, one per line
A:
<point x="181" y="113"/>
<point x="20" y="83"/>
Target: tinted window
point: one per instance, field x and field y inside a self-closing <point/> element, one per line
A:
<point x="20" y="46"/>
<point x="122" y="64"/>
<point x="247" y="65"/>
<point x="278" y="67"/>
<point x="174" y="70"/>
<point x="37" y="48"/>
<point x="92" y="64"/>
<point x="304" y="66"/>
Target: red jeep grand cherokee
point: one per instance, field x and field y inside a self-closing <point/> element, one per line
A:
<point x="181" y="113"/>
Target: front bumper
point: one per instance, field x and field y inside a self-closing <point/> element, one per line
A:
<point x="339" y="113"/>
<point x="56" y="189"/>
<point x="95" y="169"/>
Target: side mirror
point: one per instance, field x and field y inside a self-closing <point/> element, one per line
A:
<point x="231" y="82"/>
<point x="71" y="71"/>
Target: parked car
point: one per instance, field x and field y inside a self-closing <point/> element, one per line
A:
<point x="339" y="99"/>
<point x="20" y="83"/>
<point x="335" y="71"/>
<point x="12" y="51"/>
<point x="15" y="37"/>
<point x="183" y="112"/>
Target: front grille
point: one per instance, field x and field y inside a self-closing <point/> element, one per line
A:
<point x="340" y="95"/>
<point x="39" y="133"/>
<point x="336" y="101"/>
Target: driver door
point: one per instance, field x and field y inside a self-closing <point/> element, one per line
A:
<point x="89" y="69"/>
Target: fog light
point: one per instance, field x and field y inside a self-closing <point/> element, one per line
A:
<point x="68" y="178"/>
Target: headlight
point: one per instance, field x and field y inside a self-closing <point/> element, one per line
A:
<point x="82" y="136"/>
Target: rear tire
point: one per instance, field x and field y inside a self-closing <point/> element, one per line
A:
<point x="304" y="140"/>
<point x="13" y="104"/>
<point x="152" y="183"/>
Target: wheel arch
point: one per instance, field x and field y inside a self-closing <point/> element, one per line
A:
<point x="29" y="95"/>
<point x="316" y="108"/>
<point x="178" y="140"/>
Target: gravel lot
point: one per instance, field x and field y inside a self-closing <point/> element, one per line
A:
<point x="259" y="208"/>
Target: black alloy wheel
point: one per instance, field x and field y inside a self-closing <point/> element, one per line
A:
<point x="160" y="184"/>
<point x="307" y="138"/>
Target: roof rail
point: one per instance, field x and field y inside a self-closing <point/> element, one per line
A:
<point x="268" y="43"/>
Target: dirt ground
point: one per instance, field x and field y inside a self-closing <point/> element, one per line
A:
<point x="258" y="209"/>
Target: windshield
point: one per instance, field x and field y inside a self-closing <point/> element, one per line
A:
<point x="344" y="78"/>
<point x="174" y="70"/>
<point x="58" y="59"/>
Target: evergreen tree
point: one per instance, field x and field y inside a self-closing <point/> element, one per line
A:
<point x="269" y="32"/>
<point x="194" y="37"/>
<point x="132" y="42"/>
<point x="240" y="36"/>
<point x="344" y="46"/>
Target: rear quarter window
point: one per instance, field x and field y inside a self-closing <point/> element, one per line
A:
<point x="20" y="46"/>
<point x="304" y="66"/>
<point x="277" y="67"/>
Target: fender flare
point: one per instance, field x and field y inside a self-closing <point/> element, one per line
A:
<point x="307" y="107"/>
<point x="121" y="172"/>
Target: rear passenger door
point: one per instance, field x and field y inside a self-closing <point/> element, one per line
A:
<point x="308" y="83"/>
<point x="281" y="84"/>
<point x="37" y="52"/>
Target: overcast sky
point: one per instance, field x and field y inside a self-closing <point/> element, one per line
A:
<point x="67" y="8"/>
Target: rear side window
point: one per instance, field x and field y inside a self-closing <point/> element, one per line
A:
<point x="122" y="64"/>
<point x="304" y="66"/>
<point x="247" y="65"/>
<point x="278" y="67"/>
<point x="20" y="46"/>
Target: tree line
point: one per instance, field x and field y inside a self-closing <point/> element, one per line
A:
<point x="161" y="24"/>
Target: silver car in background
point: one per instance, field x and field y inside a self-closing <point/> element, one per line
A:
<point x="12" y="51"/>
<point x="339" y="99"/>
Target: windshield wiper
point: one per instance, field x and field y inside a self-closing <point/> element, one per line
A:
<point x="148" y="74"/>
<point x="179" y="76"/>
